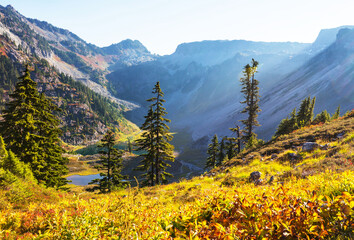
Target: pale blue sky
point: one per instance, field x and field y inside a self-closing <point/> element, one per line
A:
<point x="163" y="24"/>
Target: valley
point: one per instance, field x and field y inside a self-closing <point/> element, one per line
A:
<point x="117" y="142"/>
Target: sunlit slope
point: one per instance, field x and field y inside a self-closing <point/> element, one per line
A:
<point x="311" y="197"/>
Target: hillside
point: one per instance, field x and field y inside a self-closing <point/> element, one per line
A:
<point x="63" y="68"/>
<point x="311" y="196"/>
<point x="201" y="81"/>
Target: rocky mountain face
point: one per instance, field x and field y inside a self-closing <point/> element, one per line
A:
<point x="202" y="88"/>
<point x="200" y="80"/>
<point x="58" y="58"/>
<point x="68" y="53"/>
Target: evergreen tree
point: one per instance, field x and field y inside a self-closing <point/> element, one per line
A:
<point x="283" y="127"/>
<point x="155" y="141"/>
<point x="146" y="144"/>
<point x="110" y="164"/>
<point x="238" y="133"/>
<point x="293" y="122"/>
<point x="305" y="114"/>
<point x="230" y="147"/>
<point x="337" y="113"/>
<point x="250" y="90"/>
<point x="322" y="117"/>
<point x="31" y="131"/>
<point x="213" y="152"/>
<point x="130" y="147"/>
<point x="221" y="155"/>
<point x="287" y="125"/>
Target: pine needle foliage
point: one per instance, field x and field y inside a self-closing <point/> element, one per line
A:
<point x="155" y="142"/>
<point x="303" y="117"/>
<point x="221" y="155"/>
<point x="110" y="165"/>
<point x="31" y="132"/>
<point x="322" y="117"/>
<point x="213" y="152"/>
<point x="250" y="91"/>
<point x="305" y="114"/>
<point x="337" y="113"/>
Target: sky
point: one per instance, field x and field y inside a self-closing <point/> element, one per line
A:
<point x="163" y="24"/>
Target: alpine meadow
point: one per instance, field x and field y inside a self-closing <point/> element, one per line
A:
<point x="192" y="139"/>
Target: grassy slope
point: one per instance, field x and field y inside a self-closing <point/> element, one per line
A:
<point x="312" y="198"/>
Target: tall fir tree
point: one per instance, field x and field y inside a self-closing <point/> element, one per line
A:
<point x="322" y="117"/>
<point x="238" y="132"/>
<point x="250" y="91"/>
<point x="110" y="164"/>
<point x="146" y="145"/>
<point x="287" y="125"/>
<point x="155" y="141"/>
<point x="337" y="113"/>
<point x="213" y="152"/>
<point x="221" y="155"/>
<point x="31" y="131"/>
<point x="230" y="147"/>
<point x="305" y="114"/>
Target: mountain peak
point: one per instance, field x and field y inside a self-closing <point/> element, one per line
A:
<point x="128" y="44"/>
<point x="124" y="45"/>
<point x="328" y="36"/>
<point x="10" y="7"/>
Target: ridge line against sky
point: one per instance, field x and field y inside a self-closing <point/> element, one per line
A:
<point x="161" y="25"/>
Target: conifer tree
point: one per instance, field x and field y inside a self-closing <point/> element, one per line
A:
<point x="238" y="133"/>
<point x="146" y="144"/>
<point x="31" y="131"/>
<point x="293" y="122"/>
<point x="250" y="91"/>
<point x="230" y="146"/>
<point x="155" y="141"/>
<point x="322" y="117"/>
<point x="213" y="152"/>
<point x="305" y="114"/>
<point x="337" y="113"/>
<point x="130" y="147"/>
<point x="221" y="154"/>
<point x="287" y="125"/>
<point x="110" y="164"/>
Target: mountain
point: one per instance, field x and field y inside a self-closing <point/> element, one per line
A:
<point x="58" y="58"/>
<point x="202" y="89"/>
<point x="327" y="37"/>
<point x="196" y="69"/>
<point x="327" y="75"/>
<point x="127" y="53"/>
<point x="200" y="79"/>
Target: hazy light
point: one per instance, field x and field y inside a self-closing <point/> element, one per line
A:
<point x="163" y="24"/>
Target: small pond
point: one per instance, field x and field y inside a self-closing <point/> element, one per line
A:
<point x="82" y="180"/>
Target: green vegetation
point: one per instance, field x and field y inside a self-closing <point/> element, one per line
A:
<point x="313" y="199"/>
<point x="250" y="91"/>
<point x="31" y="131"/>
<point x="111" y="164"/>
<point x="84" y="112"/>
<point x="155" y="142"/>
<point x="213" y="152"/>
<point x="304" y="117"/>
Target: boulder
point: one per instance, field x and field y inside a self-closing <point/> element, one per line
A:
<point x="340" y="135"/>
<point x="254" y="176"/>
<point x="310" y="146"/>
<point x="294" y="156"/>
<point x="258" y="182"/>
